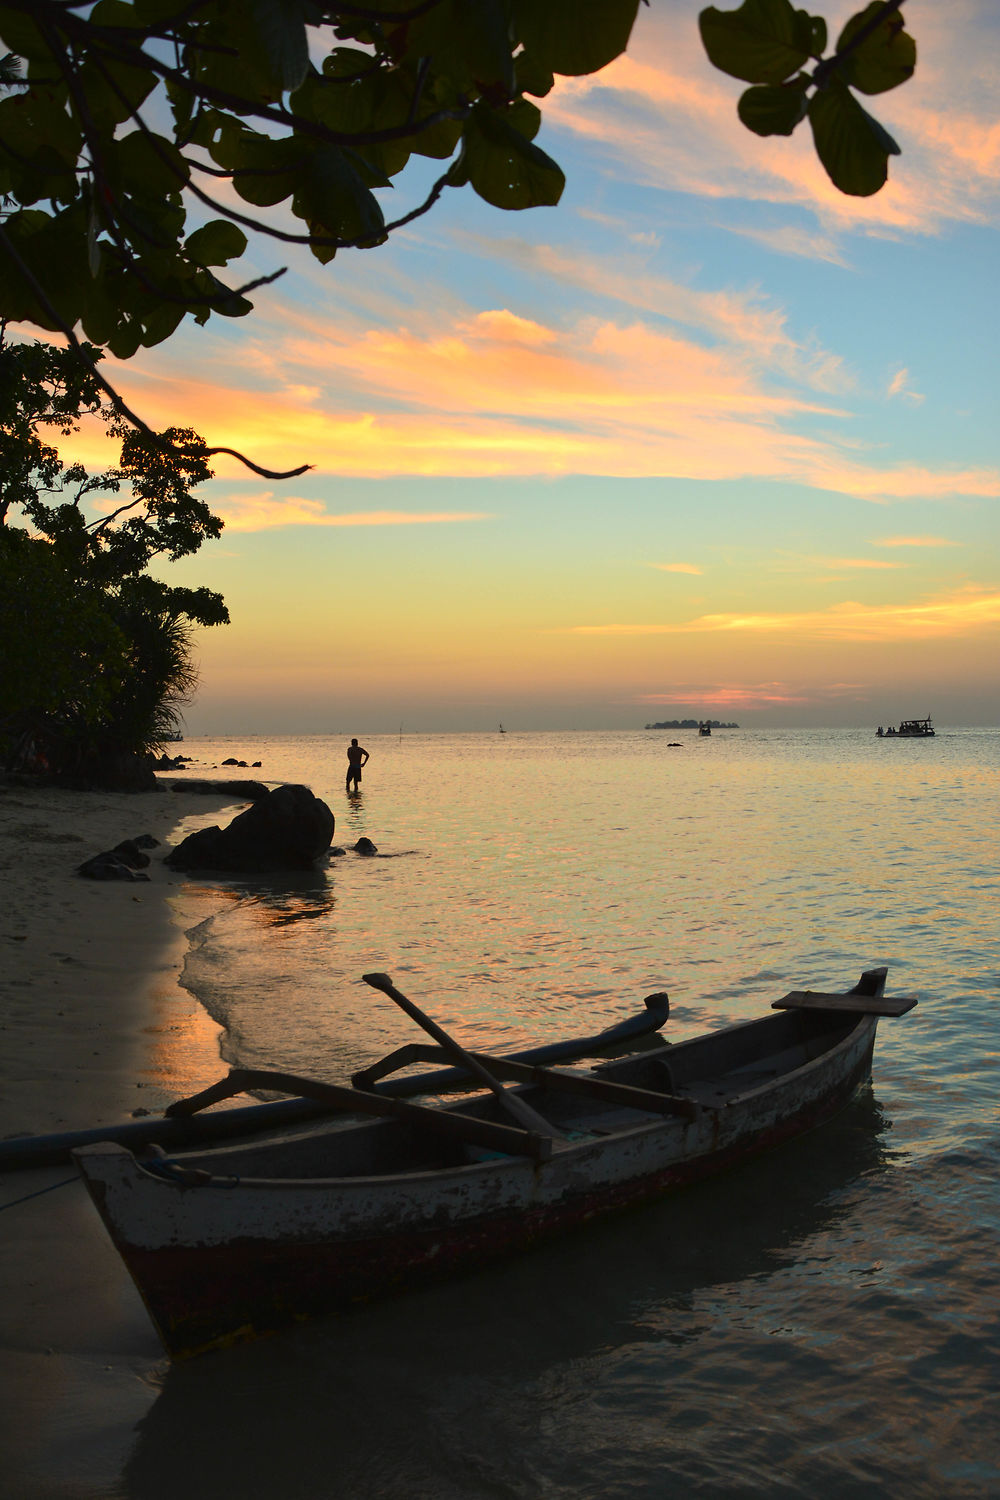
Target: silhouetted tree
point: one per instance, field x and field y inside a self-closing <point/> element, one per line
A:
<point x="95" y="651"/>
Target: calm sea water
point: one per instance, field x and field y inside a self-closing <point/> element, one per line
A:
<point x="824" y="1322"/>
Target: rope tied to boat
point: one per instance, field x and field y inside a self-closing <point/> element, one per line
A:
<point x="171" y="1170"/>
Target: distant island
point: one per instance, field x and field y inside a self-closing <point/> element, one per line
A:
<point x="691" y="724"/>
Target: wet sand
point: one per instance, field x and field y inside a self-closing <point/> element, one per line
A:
<point x="94" y="1029"/>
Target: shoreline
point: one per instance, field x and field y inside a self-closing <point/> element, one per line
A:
<point x="95" y="1028"/>
<point x="95" y="1023"/>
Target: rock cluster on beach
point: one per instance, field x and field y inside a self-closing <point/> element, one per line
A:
<point x="126" y="861"/>
<point x="288" y="829"/>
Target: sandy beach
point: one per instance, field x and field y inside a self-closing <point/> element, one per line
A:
<point x="94" y="1028"/>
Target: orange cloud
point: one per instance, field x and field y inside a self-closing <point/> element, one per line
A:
<point x="265" y="511"/>
<point x="494" y="394"/>
<point x="677" y="568"/>
<point x="745" y="321"/>
<point x="913" y="541"/>
<point x="960" y="614"/>
<point x="503" y="326"/>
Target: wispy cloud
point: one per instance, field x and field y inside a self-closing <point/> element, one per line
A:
<point x="958" y="614"/>
<point x="748" y="323"/>
<point x="677" y="568"/>
<point x="913" y="541"/>
<point x="794" y="240"/>
<point x="266" y="511"/>
<point x="854" y="564"/>
<point x="493" y="393"/>
<point x="899" y="385"/>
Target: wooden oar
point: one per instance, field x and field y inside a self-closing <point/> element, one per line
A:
<point x="488" y="1133"/>
<point x="513" y="1104"/>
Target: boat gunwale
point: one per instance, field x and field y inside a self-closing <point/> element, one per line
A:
<point x="487" y="1165"/>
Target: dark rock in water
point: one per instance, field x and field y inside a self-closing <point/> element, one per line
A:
<point x="365" y="846"/>
<point x="232" y="761"/>
<point x="256" y="763"/>
<point x="288" y="829"/>
<point x="111" y="866"/>
<point x="243" y="791"/>
<point x="335" y="850"/>
<point x="129" y="852"/>
<point x="123" y="862"/>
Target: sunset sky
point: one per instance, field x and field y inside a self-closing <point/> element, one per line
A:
<point x="707" y="439"/>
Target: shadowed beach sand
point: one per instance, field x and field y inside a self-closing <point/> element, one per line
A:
<point x="94" y="1027"/>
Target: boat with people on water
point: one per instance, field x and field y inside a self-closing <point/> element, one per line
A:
<point x="909" y="729"/>
<point x="389" y="1193"/>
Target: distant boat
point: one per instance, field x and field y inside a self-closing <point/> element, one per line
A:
<point x="501" y="729"/>
<point x="174" y="738"/>
<point x="909" y="729"/>
<point x="704" y="729"/>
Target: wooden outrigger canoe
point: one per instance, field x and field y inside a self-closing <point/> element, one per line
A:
<point x="240" y="1239"/>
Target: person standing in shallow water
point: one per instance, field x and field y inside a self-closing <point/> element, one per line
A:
<point x="357" y="756"/>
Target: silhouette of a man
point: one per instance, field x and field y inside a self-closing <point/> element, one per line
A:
<point x="357" y="756"/>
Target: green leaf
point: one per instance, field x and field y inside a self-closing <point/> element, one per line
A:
<point x="774" y="109"/>
<point x="884" y="59"/>
<point x="54" y="250"/>
<point x="216" y="243"/>
<point x="115" y="89"/>
<point x="503" y="166"/>
<point x="765" y="41"/>
<point x="531" y="76"/>
<point x="35" y="127"/>
<point x="853" y="147"/>
<point x="482" y="29"/>
<point x="161" y="322"/>
<point x="264" y="170"/>
<point x="101" y="309"/>
<point x="279" y="28"/>
<point x="115" y="13"/>
<point x="334" y="200"/>
<point x="22" y="37"/>
<point x="574" y="36"/>
<point x="146" y="165"/>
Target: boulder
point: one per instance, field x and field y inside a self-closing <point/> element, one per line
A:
<point x="124" y="862"/>
<point x="365" y="846"/>
<point x="110" y="866"/>
<point x="288" y="829"/>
